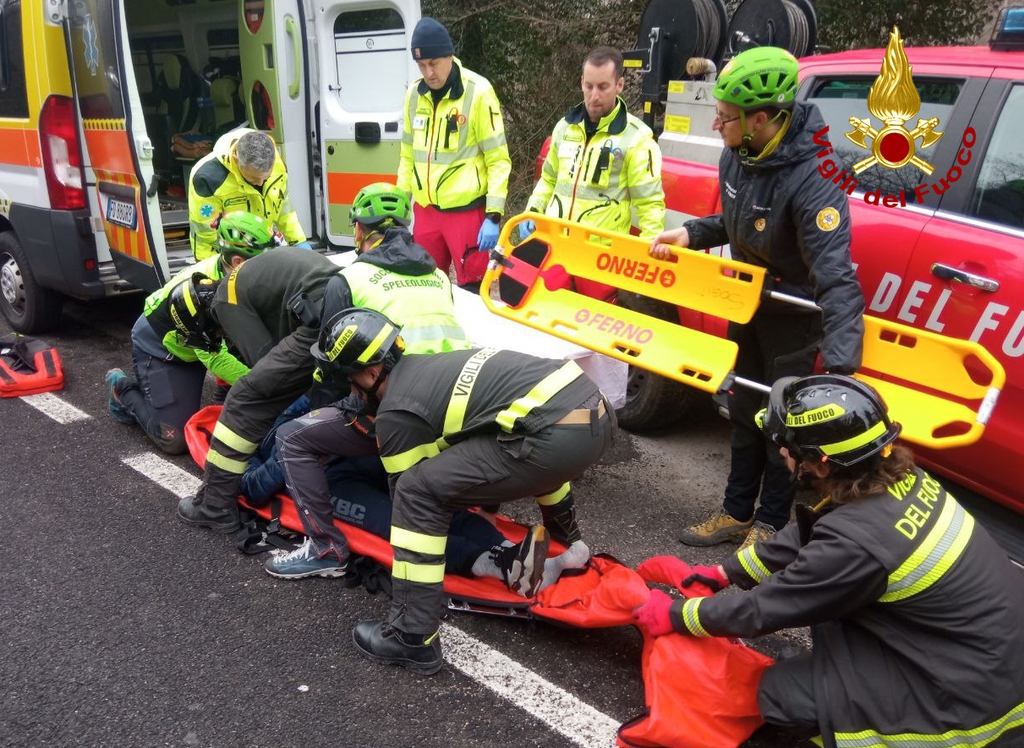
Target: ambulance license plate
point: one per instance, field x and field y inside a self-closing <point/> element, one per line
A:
<point x="120" y="213"/>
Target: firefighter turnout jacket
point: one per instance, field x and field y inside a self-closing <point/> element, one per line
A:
<point x="779" y="214"/>
<point x="597" y="181"/>
<point x="216" y="186"/>
<point x="154" y="333"/>
<point x="474" y="427"/>
<point x="454" y="154"/>
<point x="269" y="309"/>
<point x="399" y="279"/>
<point x="916" y="615"/>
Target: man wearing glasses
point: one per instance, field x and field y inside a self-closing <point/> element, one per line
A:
<point x="780" y="214"/>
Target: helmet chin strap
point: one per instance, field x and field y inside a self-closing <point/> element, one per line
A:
<point x="744" y="150"/>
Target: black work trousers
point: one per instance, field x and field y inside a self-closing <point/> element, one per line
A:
<point x="770" y="346"/>
<point x="253" y="404"/>
<point x="164" y="395"/>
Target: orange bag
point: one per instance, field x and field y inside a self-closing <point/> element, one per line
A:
<point x="700" y="693"/>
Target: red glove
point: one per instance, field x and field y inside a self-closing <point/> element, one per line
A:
<point x="664" y="570"/>
<point x="712" y="577"/>
<point x="653" y="615"/>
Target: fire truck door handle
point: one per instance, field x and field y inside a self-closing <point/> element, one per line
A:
<point x="945" y="272"/>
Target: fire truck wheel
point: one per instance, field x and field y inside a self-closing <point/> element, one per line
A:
<point x="28" y="307"/>
<point x="652" y="401"/>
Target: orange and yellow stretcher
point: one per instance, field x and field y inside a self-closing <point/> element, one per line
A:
<point x="941" y="389"/>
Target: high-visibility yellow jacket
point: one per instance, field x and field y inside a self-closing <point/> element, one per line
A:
<point x="598" y="181"/>
<point x="216" y="187"/>
<point x="454" y="153"/>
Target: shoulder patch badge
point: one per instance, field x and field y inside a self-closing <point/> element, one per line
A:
<point x="759" y="224"/>
<point x="828" y="219"/>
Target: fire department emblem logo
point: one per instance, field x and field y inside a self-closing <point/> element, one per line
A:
<point x="759" y="224"/>
<point x="828" y="219"/>
<point x="893" y="99"/>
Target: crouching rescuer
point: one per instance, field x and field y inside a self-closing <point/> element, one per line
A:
<point x="461" y="429"/>
<point x="916" y="614"/>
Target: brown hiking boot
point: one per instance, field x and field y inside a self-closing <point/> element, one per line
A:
<point x="720" y="527"/>
<point x="759" y="533"/>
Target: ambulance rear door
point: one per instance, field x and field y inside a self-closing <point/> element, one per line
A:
<point x="364" y="68"/>
<point x="275" y="88"/>
<point x="119" y="152"/>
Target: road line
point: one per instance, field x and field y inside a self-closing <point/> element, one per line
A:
<point x="164" y="473"/>
<point x="52" y="406"/>
<point x="558" y="709"/>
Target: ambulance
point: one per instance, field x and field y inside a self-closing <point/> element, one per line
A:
<point x="105" y="106"/>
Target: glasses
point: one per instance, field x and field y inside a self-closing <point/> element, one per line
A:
<point x="724" y="120"/>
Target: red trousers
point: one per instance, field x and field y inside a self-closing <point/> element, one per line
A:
<point x="450" y="238"/>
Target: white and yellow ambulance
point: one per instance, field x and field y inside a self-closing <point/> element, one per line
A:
<point x="95" y="93"/>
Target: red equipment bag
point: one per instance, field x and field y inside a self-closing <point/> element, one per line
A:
<point x="700" y="692"/>
<point x="28" y="366"/>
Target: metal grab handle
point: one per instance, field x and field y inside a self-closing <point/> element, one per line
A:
<point x="945" y="272"/>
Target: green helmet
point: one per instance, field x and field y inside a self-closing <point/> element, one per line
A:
<point x="762" y="76"/>
<point x="378" y="202"/>
<point x="244" y="234"/>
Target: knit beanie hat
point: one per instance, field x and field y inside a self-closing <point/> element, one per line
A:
<point x="430" y="40"/>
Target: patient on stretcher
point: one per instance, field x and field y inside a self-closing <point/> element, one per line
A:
<point x="360" y="497"/>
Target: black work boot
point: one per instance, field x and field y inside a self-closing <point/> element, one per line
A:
<point x="560" y="520"/>
<point x="193" y="510"/>
<point x="386" y="644"/>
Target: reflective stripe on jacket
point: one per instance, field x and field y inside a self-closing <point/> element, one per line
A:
<point x="454" y="153"/>
<point x="433" y="402"/>
<point x="916" y="615"/>
<point x="216" y="186"/>
<point x="420" y="304"/>
<point x="599" y="181"/>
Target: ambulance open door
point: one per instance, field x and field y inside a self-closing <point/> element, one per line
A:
<point x="119" y="152"/>
<point x="275" y="88"/>
<point x="364" y="67"/>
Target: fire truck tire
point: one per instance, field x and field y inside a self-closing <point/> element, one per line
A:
<point x="28" y="307"/>
<point x="652" y="401"/>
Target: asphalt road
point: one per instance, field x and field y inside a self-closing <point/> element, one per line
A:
<point x="120" y="626"/>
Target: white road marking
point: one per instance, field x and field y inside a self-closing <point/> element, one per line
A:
<point x="578" y="722"/>
<point x="165" y="474"/>
<point x="52" y="406"/>
<point x="558" y="709"/>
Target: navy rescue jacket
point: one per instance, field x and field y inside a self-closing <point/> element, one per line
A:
<point x="779" y="213"/>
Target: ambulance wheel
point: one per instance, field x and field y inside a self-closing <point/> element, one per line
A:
<point x="28" y="307"/>
<point x="652" y="401"/>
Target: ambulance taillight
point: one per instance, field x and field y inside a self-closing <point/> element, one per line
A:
<point x="62" y="153"/>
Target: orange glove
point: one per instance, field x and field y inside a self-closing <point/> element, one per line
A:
<point x="653" y="616"/>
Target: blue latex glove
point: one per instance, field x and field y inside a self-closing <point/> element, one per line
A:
<point x="526" y="228"/>
<point x="488" y="236"/>
<point x="303" y="245"/>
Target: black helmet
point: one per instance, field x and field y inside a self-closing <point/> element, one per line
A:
<point x="354" y="339"/>
<point x="190" y="304"/>
<point x="827" y="417"/>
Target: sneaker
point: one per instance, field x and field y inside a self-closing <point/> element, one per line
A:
<point x="759" y="533"/>
<point x="113" y="378"/>
<point x="388" y="645"/>
<point x="302" y="563"/>
<point x="718" y="528"/>
<point x="522" y="565"/>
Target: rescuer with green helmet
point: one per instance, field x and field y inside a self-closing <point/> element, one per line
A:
<point x="396" y="277"/>
<point x="170" y="363"/>
<point x="778" y="213"/>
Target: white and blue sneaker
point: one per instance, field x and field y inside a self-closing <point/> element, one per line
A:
<point x="302" y="563"/>
<point x="522" y="565"/>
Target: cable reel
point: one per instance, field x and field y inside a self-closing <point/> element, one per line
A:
<point x="790" y="24"/>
